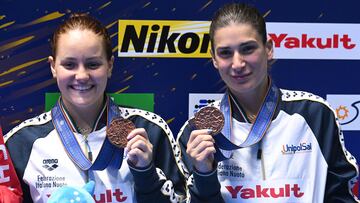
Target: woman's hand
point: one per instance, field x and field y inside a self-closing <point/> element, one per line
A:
<point x="139" y="148"/>
<point x="201" y="149"/>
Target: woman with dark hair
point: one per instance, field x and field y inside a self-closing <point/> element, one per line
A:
<point x="276" y="145"/>
<point x="130" y="154"/>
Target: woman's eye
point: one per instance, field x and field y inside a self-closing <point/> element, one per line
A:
<point x="247" y="49"/>
<point x="225" y="53"/>
<point x="93" y="65"/>
<point x="68" y="65"/>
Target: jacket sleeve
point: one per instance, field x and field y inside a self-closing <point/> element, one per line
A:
<point x="163" y="180"/>
<point x="7" y="195"/>
<point x="19" y="147"/>
<point x="342" y="169"/>
<point x="341" y="174"/>
<point x="201" y="187"/>
<point x="10" y="190"/>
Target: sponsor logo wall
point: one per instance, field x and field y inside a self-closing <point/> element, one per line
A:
<point x="346" y="107"/>
<point x="197" y="101"/>
<point x="190" y="39"/>
<point x="347" y="110"/>
<point x="158" y="38"/>
<point x="315" y="40"/>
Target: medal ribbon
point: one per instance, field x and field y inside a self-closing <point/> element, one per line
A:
<point x="224" y="146"/>
<point x="109" y="155"/>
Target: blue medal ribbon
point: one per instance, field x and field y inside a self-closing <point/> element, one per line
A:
<point x="224" y="146"/>
<point x="109" y="155"/>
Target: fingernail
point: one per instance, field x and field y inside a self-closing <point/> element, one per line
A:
<point x="209" y="131"/>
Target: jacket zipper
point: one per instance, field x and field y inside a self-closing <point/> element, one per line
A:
<point x="260" y="157"/>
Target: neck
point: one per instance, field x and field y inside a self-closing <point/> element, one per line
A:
<point x="251" y="101"/>
<point x="84" y="118"/>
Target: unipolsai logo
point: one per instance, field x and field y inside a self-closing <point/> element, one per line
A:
<point x="347" y="110"/>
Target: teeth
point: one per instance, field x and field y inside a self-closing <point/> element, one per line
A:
<point x="82" y="87"/>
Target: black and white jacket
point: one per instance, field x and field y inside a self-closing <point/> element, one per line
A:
<point x="43" y="165"/>
<point x="303" y="159"/>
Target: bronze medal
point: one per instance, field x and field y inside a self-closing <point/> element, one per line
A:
<point x="209" y="118"/>
<point x="118" y="131"/>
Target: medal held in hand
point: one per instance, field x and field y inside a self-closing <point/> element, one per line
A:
<point x="118" y="130"/>
<point x="208" y="118"/>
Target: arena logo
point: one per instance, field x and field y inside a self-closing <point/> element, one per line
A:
<point x="50" y="164"/>
<point x="50" y="161"/>
<point x="155" y="38"/>
<point x="190" y="39"/>
<point x="346" y="108"/>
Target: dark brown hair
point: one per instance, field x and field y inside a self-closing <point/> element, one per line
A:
<point x="82" y="21"/>
<point x="237" y="13"/>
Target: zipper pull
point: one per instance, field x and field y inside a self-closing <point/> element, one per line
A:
<point x="88" y="150"/>
<point x="259" y="154"/>
<point x="90" y="155"/>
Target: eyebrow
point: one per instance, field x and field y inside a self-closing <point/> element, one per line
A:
<point x="251" y="42"/>
<point x="93" y="58"/>
<point x="69" y="58"/>
<point x="86" y="59"/>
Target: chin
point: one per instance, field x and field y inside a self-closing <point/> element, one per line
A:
<point x="83" y="102"/>
<point x="242" y="88"/>
<point x="242" y="84"/>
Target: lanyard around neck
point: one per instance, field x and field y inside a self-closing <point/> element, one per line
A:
<point x="109" y="155"/>
<point x="258" y="129"/>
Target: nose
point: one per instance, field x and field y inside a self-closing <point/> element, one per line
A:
<point x="238" y="61"/>
<point x="82" y="73"/>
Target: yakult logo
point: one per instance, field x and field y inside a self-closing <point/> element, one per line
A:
<point x="314" y="40"/>
<point x="288" y="190"/>
<point x="115" y="195"/>
<point x="308" y="41"/>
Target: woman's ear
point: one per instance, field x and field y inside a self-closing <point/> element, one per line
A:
<point x="51" y="60"/>
<point x="111" y="65"/>
<point x="269" y="49"/>
<point x="213" y="59"/>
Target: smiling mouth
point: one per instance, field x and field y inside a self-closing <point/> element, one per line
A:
<point x="240" y="76"/>
<point x="81" y="88"/>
